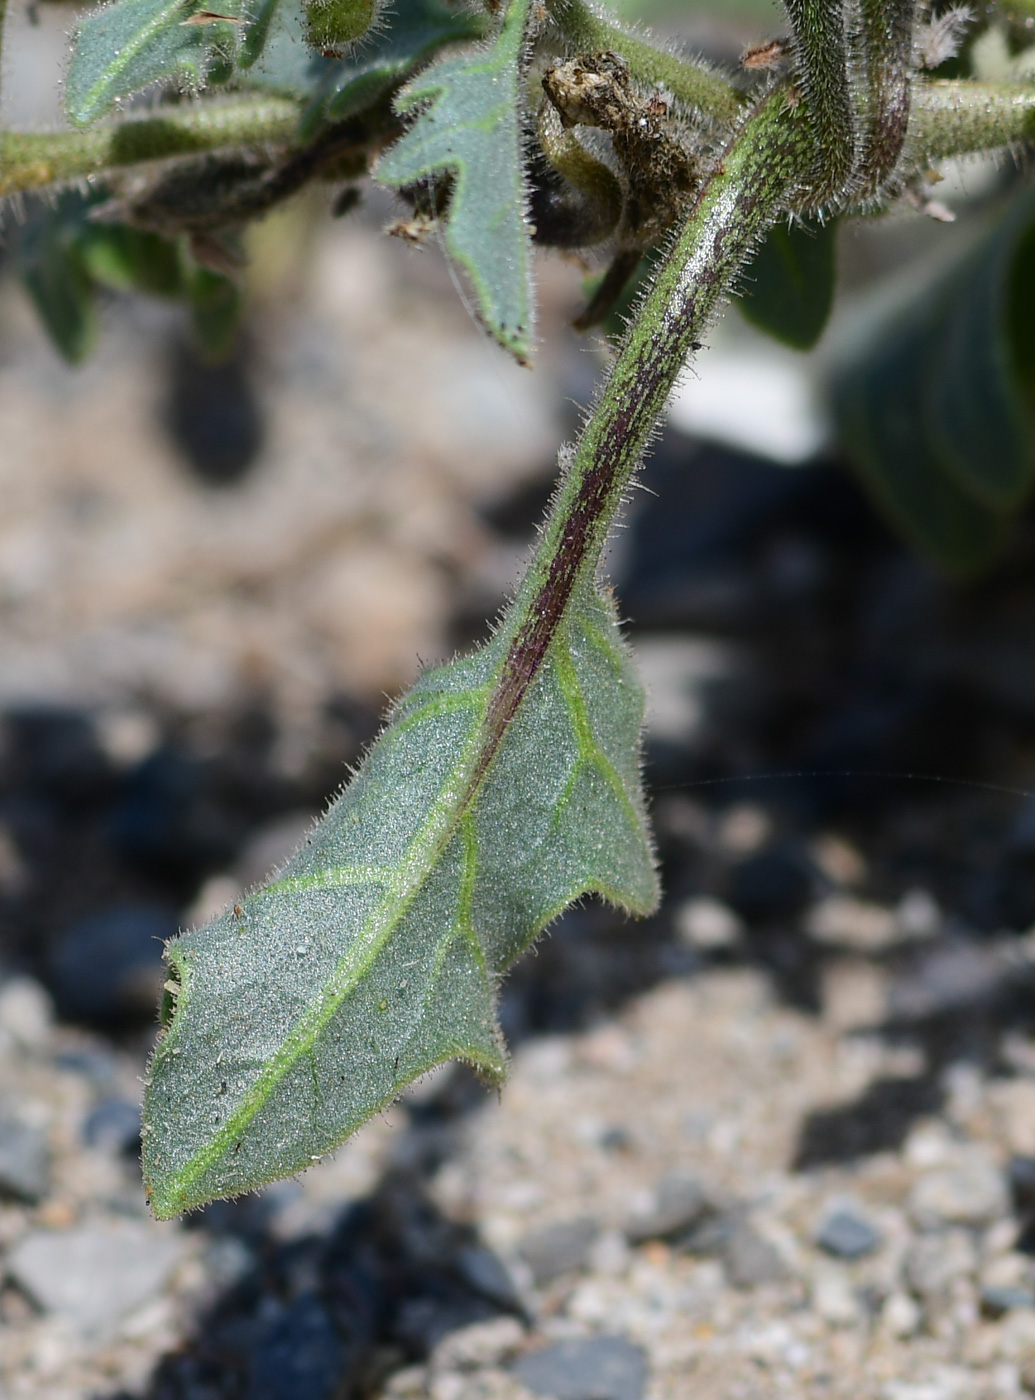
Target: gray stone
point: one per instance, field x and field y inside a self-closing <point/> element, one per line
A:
<point x="847" y="1235"/>
<point x="967" y="1193"/>
<point x="750" y="1258"/>
<point x="936" y="1261"/>
<point x="599" y="1368"/>
<point x="24" y="1157"/>
<point x="96" y="1273"/>
<point x="679" y="1204"/>
<point x="558" y="1249"/>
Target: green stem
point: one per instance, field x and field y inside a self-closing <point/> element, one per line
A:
<point x="752" y="183"/>
<point x="693" y="84"/>
<point x="30" y="160"/>
<point x="888" y="42"/>
<point x="821" y="48"/>
<point x="964" y="118"/>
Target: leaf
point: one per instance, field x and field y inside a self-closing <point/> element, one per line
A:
<point x="376" y="952"/>
<point x="468" y="128"/>
<point x="56" y="277"/>
<point x="128" y="259"/>
<point x="789" y="290"/>
<point x="973" y="401"/>
<point x="125" y="47"/>
<point x="417" y="32"/>
<point x="215" y="304"/>
<point x="877" y="405"/>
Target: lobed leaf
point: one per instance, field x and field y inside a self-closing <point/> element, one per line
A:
<point x="376" y="952"/>
<point x="467" y="128"/>
<point x="125" y="47"/>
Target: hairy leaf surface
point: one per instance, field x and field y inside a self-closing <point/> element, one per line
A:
<point x="468" y="128"/>
<point x="122" y="48"/>
<point x="375" y="953"/>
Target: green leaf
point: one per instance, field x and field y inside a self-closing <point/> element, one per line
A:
<point x="789" y="289"/>
<point x="56" y="276"/>
<point x="128" y="259"/>
<point x="877" y="405"/>
<point x="216" y="304"/>
<point x="416" y="33"/>
<point x="973" y="400"/>
<point x="125" y="47"/>
<point x="467" y="127"/>
<point x="376" y="952"/>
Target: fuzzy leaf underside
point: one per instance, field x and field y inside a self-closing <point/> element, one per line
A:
<point x="468" y="127"/>
<point x="125" y="47"/>
<point x="375" y="953"/>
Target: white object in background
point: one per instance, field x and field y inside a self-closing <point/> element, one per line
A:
<point x="761" y="401"/>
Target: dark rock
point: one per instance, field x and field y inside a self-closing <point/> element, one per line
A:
<point x="775" y="883"/>
<point x="108" y="967"/>
<point x="847" y="1235"/>
<point x="558" y="1249"/>
<point x="708" y="1238"/>
<point x="751" y="1259"/>
<point x="114" y="1125"/>
<point x="24" y="1157"/>
<point x="486" y="1273"/>
<point x="679" y="1204"/>
<point x="600" y="1368"/>
<point x="301" y="1357"/>
<point x="1021" y="1180"/>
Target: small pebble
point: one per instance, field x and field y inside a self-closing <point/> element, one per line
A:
<point x="834" y="1299"/>
<point x="707" y="924"/>
<point x="481" y="1344"/>
<point x="969" y="1193"/>
<point x="300" y="1357"/>
<point x="558" y="1249"/>
<point x="901" y="1315"/>
<point x="933" y="1262"/>
<point x="598" y="1368"/>
<point x="24" y="1157"/>
<point x="751" y="1259"/>
<point x="679" y="1203"/>
<point x="847" y="1235"/>
<point x="26" y="1013"/>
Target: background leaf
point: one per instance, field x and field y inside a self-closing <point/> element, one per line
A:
<point x="123" y="48"/>
<point x="468" y="127"/>
<point x="375" y="953"/>
<point x="788" y="290"/>
<point x="56" y="276"/>
<point x="414" y="35"/>
<point x="937" y="412"/>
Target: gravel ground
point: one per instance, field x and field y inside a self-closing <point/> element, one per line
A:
<point x="779" y="1139"/>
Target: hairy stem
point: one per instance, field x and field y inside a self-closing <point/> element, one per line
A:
<point x="821" y="49"/>
<point x="964" y="118"/>
<point x="888" y="39"/>
<point x="694" y="84"/>
<point x="30" y="160"/>
<point x="751" y="184"/>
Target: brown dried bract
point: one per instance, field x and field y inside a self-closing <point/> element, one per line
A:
<point x="769" y="54"/>
<point x="659" y="175"/>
